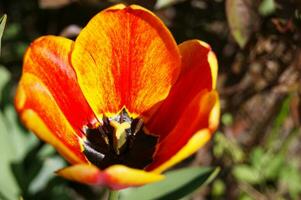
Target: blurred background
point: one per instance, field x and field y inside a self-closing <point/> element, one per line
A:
<point x="258" y="144"/>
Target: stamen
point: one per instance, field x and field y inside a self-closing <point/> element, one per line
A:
<point x="92" y="155"/>
<point x="119" y="140"/>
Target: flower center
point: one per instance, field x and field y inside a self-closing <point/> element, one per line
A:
<point x="119" y="140"/>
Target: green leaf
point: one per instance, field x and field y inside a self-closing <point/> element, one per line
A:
<point x="256" y="157"/>
<point x="267" y="7"/>
<point x="4" y="79"/>
<point x="2" y="25"/>
<point x="14" y="144"/>
<point x="50" y="165"/>
<point x="242" y="20"/>
<point x="273" y="135"/>
<point x="176" y="185"/>
<point x="226" y="146"/>
<point x="227" y="119"/>
<point x="8" y="186"/>
<point x="20" y="140"/>
<point x="247" y="174"/>
<point x="12" y="31"/>
<point x="268" y="164"/>
<point x="165" y="3"/>
<point x="245" y="196"/>
<point x="218" y="189"/>
<point x="273" y="167"/>
<point x="291" y="178"/>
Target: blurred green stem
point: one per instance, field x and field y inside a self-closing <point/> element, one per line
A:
<point x="113" y="195"/>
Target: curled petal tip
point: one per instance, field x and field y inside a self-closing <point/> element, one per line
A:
<point x="115" y="177"/>
<point x="125" y="176"/>
<point x="82" y="173"/>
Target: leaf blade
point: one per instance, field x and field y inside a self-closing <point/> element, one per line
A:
<point x="242" y="20"/>
<point x="178" y="183"/>
<point x="2" y="26"/>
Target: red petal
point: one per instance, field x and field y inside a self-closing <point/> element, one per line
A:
<point x="47" y="58"/>
<point x="197" y="116"/>
<point x="49" y="99"/>
<point x="125" y="56"/>
<point x="40" y="113"/>
<point x="199" y="68"/>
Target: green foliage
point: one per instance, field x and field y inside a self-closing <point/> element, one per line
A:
<point x="267" y="7"/>
<point x="4" y="79"/>
<point x="8" y="186"/>
<point x="176" y="185"/>
<point x="224" y="146"/>
<point x="290" y="177"/>
<point x="264" y="166"/>
<point x="2" y="25"/>
<point x="269" y="163"/>
<point x="240" y="18"/>
<point x="218" y="189"/>
<point x="12" y="30"/>
<point x="227" y="119"/>
<point x="14" y="144"/>
<point x="247" y="174"/>
<point x="278" y="122"/>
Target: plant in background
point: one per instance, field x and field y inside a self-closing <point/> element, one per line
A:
<point x="2" y="25"/>
<point x="122" y="103"/>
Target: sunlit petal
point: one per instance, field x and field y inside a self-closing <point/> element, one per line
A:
<point x="125" y="57"/>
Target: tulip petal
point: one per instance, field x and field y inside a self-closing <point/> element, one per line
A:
<point x="199" y="139"/>
<point x="199" y="71"/>
<point x="125" y="57"/>
<point x="82" y="173"/>
<point x="190" y="133"/>
<point x="197" y="55"/>
<point x="115" y="177"/>
<point x="195" y="143"/>
<point x="47" y="58"/>
<point x="41" y="114"/>
<point x="214" y="116"/>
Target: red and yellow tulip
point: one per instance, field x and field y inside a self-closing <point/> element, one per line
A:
<point x="123" y="102"/>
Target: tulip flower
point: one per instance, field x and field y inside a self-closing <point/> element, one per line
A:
<point x="123" y="102"/>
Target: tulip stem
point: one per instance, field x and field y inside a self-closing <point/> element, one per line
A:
<point x="113" y="195"/>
